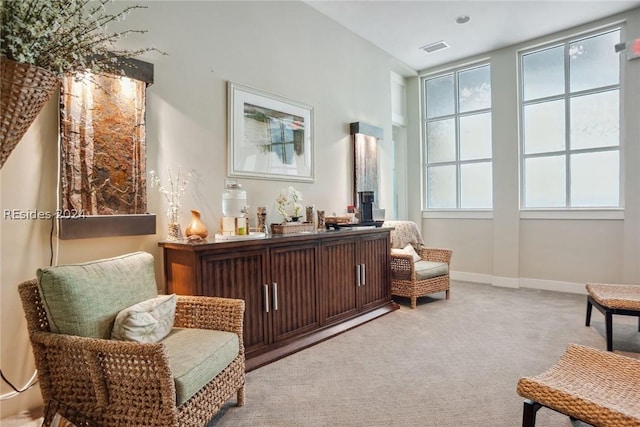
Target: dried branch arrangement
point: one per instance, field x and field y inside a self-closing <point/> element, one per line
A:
<point x="64" y="36"/>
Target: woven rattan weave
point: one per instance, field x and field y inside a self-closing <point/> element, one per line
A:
<point x="403" y="275"/>
<point x="612" y="299"/>
<point x="625" y="297"/>
<point x="404" y="282"/>
<point x="598" y="387"/>
<point x="24" y="89"/>
<point x="292" y="227"/>
<point x="118" y="383"/>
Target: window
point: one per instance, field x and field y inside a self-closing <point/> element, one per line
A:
<point x="570" y="114"/>
<point x="457" y="137"/>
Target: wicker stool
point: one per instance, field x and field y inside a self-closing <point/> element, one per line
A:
<point x="594" y="386"/>
<point x="610" y="300"/>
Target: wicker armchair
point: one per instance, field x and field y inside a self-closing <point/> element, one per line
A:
<point x="413" y="279"/>
<point x="124" y="383"/>
<point x="594" y="386"/>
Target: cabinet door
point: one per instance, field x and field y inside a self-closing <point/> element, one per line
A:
<point x="339" y="288"/>
<point x="241" y="275"/>
<point x="375" y="285"/>
<point x="293" y="287"/>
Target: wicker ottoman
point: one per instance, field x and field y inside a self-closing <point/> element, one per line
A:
<point x="610" y="300"/>
<point x="594" y="386"/>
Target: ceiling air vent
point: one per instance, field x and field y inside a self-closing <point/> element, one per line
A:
<point x="434" y="47"/>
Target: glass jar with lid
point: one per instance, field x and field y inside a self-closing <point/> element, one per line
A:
<point x="234" y="200"/>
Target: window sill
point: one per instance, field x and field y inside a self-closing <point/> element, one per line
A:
<point x="571" y="214"/>
<point x="606" y="214"/>
<point x="458" y="214"/>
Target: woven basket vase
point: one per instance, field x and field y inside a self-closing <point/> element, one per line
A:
<point x="24" y="90"/>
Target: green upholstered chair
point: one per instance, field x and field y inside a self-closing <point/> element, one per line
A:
<point x="158" y="372"/>
<point x="418" y="274"/>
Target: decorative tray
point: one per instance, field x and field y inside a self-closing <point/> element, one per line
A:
<point x="292" y="227"/>
<point x="337" y="220"/>
<point x="251" y="235"/>
<point x="355" y="225"/>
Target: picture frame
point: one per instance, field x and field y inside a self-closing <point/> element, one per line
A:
<point x="270" y="137"/>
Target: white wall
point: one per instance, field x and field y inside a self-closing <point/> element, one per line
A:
<point x="559" y="254"/>
<point x="285" y="48"/>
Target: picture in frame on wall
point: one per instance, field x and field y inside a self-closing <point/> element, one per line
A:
<point x="270" y="137"/>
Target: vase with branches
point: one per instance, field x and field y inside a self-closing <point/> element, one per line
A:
<point x="65" y="36"/>
<point x="173" y="194"/>
<point x="44" y="40"/>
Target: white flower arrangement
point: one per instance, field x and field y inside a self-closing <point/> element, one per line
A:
<point x="65" y="36"/>
<point x="288" y="203"/>
<point x="173" y="194"/>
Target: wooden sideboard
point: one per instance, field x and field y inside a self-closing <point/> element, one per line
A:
<point x="298" y="289"/>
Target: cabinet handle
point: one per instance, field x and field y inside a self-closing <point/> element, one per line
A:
<point x="363" y="275"/>
<point x="358" y="272"/>
<point x="275" y="296"/>
<point x="266" y="297"/>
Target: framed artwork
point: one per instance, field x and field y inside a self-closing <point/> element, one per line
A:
<point x="270" y="137"/>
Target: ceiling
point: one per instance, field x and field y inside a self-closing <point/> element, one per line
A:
<point x="402" y="27"/>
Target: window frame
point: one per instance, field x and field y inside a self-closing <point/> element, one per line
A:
<point x="566" y="96"/>
<point x="456" y="116"/>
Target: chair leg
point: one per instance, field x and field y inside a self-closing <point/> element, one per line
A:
<point x="589" y="308"/>
<point x="529" y="413"/>
<point x="240" y="396"/>
<point x="608" y="320"/>
<point x="446" y="293"/>
<point x="414" y="302"/>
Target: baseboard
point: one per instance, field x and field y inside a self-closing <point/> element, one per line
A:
<point x="520" y="282"/>
<point x="506" y="282"/>
<point x="554" y="285"/>
<point x="470" y="277"/>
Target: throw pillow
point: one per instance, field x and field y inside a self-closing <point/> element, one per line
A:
<point x="148" y="321"/>
<point x="409" y="249"/>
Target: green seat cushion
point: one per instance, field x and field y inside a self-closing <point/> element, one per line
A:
<point x="428" y="269"/>
<point x="84" y="299"/>
<point x="196" y="356"/>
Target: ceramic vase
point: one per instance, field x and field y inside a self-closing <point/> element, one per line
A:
<point x="196" y="227"/>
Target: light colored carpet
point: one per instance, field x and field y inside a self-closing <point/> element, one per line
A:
<point x="447" y="363"/>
